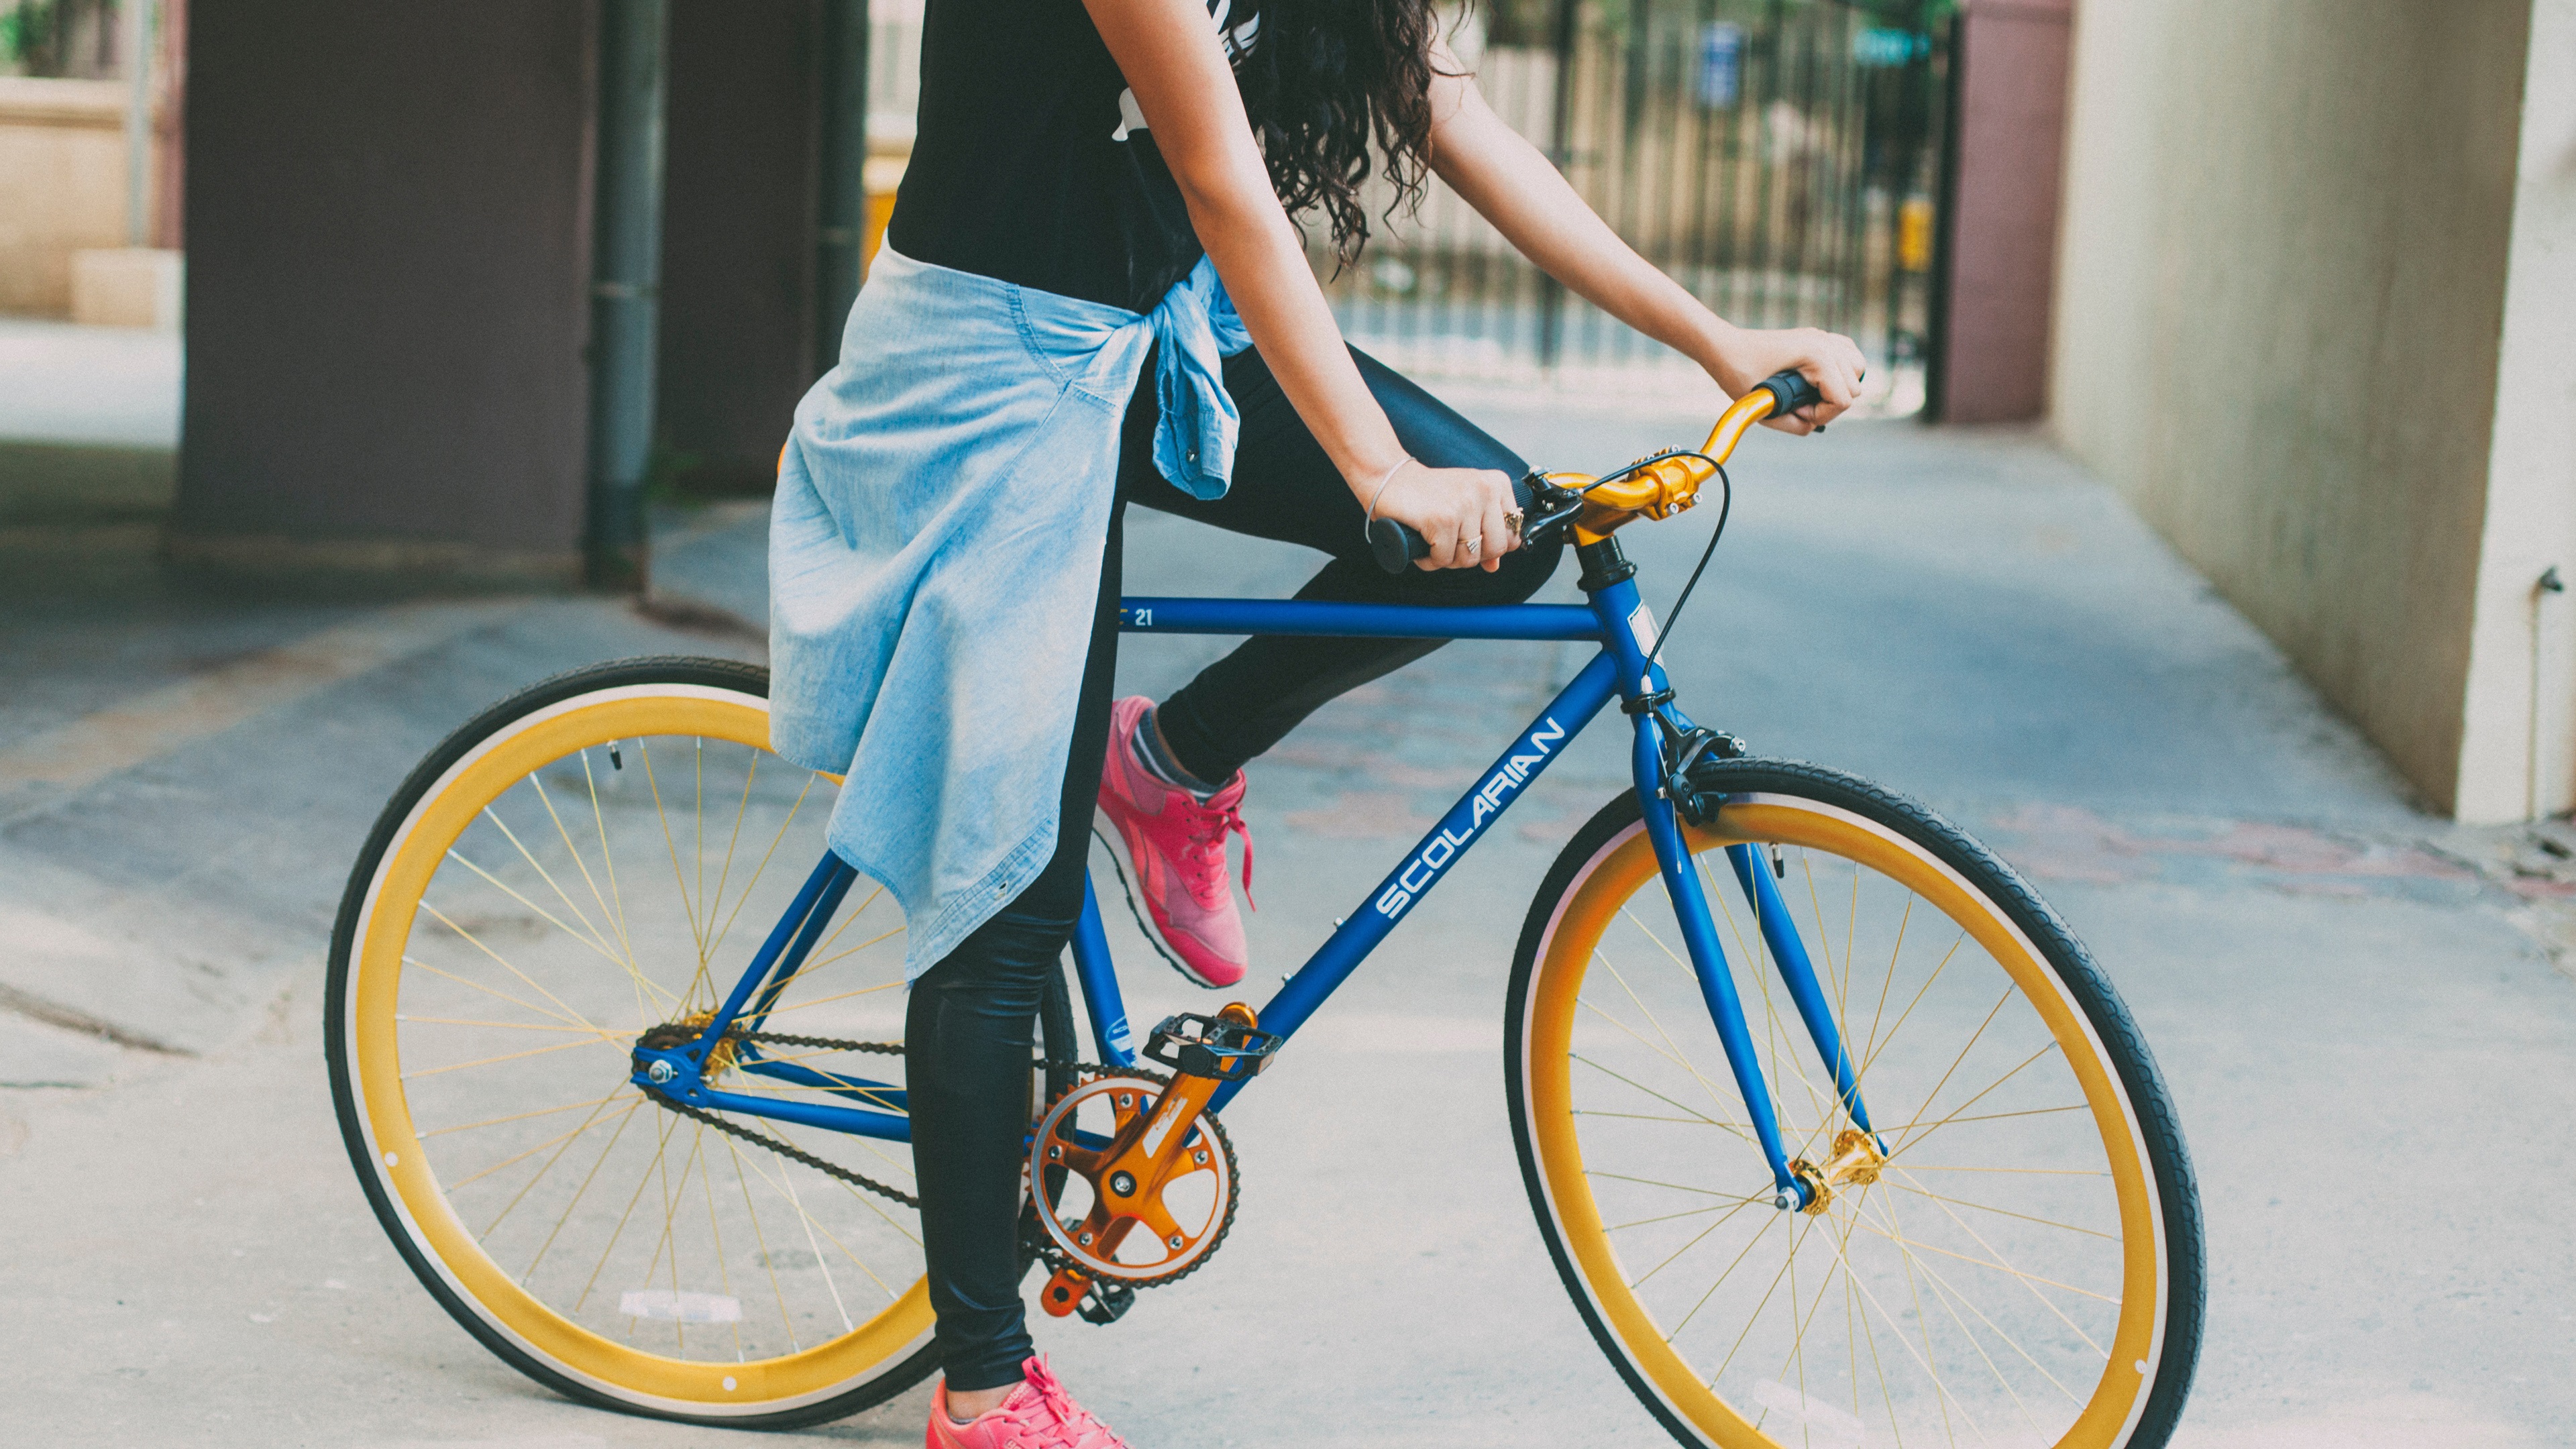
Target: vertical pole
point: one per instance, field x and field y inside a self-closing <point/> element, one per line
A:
<point x="170" y="182"/>
<point x="625" y="287"/>
<point x="138" y="122"/>
<point x="1551" y="292"/>
<point x="1945" y="212"/>
<point x="841" y="193"/>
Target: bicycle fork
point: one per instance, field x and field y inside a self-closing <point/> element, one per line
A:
<point x="1796" y="1183"/>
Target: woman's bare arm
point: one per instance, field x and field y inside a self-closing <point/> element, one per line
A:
<point x="1169" y="52"/>
<point x="1513" y="186"/>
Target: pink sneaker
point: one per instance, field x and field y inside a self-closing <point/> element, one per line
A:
<point x="1173" y="850"/>
<point x="1039" y="1414"/>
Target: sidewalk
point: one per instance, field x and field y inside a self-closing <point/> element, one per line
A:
<point x="2354" y="1002"/>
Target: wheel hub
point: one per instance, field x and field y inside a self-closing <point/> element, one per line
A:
<point x="1856" y="1162"/>
<point x="670" y="1036"/>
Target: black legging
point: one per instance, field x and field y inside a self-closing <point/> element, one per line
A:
<point x="967" y="1030"/>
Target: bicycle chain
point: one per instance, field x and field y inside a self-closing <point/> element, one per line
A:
<point x="793" y="1154"/>
<point x="1033" y="1235"/>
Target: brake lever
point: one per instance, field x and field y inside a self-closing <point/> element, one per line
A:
<point x="1548" y="507"/>
<point x="1543" y="506"/>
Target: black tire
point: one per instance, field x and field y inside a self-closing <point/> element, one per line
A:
<point x="2121" y="1043"/>
<point x="725" y="675"/>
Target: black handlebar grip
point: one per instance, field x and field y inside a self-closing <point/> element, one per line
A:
<point x="1397" y="546"/>
<point x="1789" y="391"/>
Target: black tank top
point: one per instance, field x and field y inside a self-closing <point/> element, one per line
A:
<point x="1032" y="163"/>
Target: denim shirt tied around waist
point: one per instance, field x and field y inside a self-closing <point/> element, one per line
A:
<point x="934" y="562"/>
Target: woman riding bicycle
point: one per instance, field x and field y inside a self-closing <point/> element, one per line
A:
<point x="1091" y="295"/>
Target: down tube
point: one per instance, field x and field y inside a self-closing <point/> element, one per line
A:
<point x="1499" y="784"/>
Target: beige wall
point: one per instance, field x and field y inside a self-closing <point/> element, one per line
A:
<point x="2518" y="757"/>
<point x="62" y="185"/>
<point x="2281" y="287"/>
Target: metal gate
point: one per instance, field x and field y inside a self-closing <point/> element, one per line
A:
<point x="1779" y="158"/>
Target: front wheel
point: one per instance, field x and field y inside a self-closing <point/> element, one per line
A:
<point x="2022" y="1267"/>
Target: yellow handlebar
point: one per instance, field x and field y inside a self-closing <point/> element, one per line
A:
<point x="1665" y="487"/>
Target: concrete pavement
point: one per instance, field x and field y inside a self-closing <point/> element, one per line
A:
<point x="2355" y="1004"/>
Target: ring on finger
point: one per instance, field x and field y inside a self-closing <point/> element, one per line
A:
<point x="1512" y="521"/>
<point x="1472" y="543"/>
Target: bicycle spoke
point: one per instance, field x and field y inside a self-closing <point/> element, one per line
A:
<point x="1675" y="1186"/>
<point x="1919" y="1137"/>
<point x="1659" y="1051"/>
<point x="1912" y="1243"/>
<point x="2028" y="1283"/>
<point x="1949" y="1298"/>
<point x="768" y="1257"/>
<point x="601" y="947"/>
<point x="724" y="874"/>
<point x="1696" y="1238"/>
<point x="1705" y="1084"/>
<point x="1759" y="1234"/>
<point x="476" y="942"/>
<point x="662" y="816"/>
<point x="537" y="782"/>
<point x="2006" y="1212"/>
<point x="715" y="1235"/>
<point x="588" y="930"/>
<point x="607" y="856"/>
<point x="762" y="868"/>
<point x="579" y="1193"/>
<point x="494" y="1025"/>
<point x="563" y="1046"/>
<point x="530" y="1185"/>
<point x="516" y="1157"/>
<point x="524" y="1116"/>
<point x="662" y="1144"/>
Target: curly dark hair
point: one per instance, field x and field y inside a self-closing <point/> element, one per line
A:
<point x="1327" y="78"/>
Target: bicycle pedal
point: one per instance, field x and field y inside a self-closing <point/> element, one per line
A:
<point x="1072" y="1291"/>
<point x="1106" y="1303"/>
<point x="1226" y="1046"/>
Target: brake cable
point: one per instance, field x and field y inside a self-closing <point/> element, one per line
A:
<point x="1725" y="506"/>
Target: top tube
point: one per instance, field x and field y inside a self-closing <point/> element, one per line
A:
<point x="1367" y="621"/>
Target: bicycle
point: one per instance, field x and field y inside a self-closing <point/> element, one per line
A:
<point x="660" y="1184"/>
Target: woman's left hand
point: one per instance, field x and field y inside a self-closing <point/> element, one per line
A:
<point x="1830" y="360"/>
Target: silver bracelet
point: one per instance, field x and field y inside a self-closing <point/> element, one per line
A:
<point x="1380" y="491"/>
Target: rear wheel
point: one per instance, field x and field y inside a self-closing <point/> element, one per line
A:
<point x="2024" y="1264"/>
<point x="597" y="856"/>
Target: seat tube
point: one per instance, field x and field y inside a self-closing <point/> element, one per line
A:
<point x="1627" y="630"/>
<point x="1098" y="975"/>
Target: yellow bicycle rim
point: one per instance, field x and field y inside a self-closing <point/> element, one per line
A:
<point x="1890" y="1328"/>
<point x="401" y="911"/>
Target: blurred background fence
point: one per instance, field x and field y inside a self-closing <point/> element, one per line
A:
<point x="1780" y="158"/>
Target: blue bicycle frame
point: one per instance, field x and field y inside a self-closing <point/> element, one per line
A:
<point x="1616" y="619"/>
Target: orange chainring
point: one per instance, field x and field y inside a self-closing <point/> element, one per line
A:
<point x="1159" y="1241"/>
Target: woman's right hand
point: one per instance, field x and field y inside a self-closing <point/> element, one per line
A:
<point x="1742" y="357"/>
<point x="1463" y="513"/>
